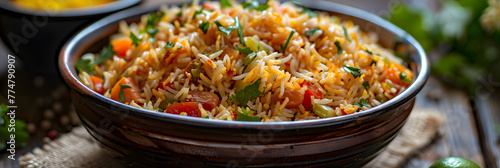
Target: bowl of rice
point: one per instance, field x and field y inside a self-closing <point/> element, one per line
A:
<point x="243" y="84"/>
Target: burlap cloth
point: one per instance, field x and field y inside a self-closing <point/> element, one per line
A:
<point x="77" y="149"/>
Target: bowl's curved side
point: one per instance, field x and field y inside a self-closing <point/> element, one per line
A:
<point x="131" y="137"/>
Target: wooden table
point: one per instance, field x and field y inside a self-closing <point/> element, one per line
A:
<point x="468" y="130"/>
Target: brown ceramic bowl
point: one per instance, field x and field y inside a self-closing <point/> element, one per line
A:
<point x="146" y="138"/>
<point x="37" y="35"/>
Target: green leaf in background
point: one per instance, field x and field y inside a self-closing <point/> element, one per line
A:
<point x="21" y="136"/>
<point x="412" y="21"/>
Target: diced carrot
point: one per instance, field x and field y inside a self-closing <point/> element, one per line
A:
<point x="130" y="94"/>
<point x="98" y="84"/>
<point x="207" y="99"/>
<point x="121" y="46"/>
<point x="190" y="108"/>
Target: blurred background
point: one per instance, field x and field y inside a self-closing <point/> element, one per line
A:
<point x="461" y="37"/>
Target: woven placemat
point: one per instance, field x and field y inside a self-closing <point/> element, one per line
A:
<point x="76" y="148"/>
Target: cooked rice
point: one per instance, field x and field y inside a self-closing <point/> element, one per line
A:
<point x="307" y="60"/>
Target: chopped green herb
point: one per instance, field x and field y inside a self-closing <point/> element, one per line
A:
<point x="229" y="29"/>
<point x="246" y="50"/>
<point x="106" y="53"/>
<point x="246" y="94"/>
<point x="346" y="35"/>
<point x="370" y="52"/>
<point x="373" y="62"/>
<point x="354" y="71"/>
<point x="179" y="14"/>
<point x="304" y="9"/>
<point x="204" y="26"/>
<point x="153" y="19"/>
<point x="121" y="94"/>
<point x="283" y="48"/>
<point x="311" y="32"/>
<point x="135" y="40"/>
<point x="198" y="12"/>
<point x="160" y="110"/>
<point x="246" y="63"/>
<point x="255" y="5"/>
<point x="404" y="78"/>
<point x="339" y="47"/>
<point x="366" y="85"/>
<point x="243" y="116"/>
<point x="169" y="45"/>
<point x="362" y="102"/>
<point x="85" y="63"/>
<point x="225" y="3"/>
<point x="180" y="47"/>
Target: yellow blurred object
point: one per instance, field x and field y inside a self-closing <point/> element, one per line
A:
<point x="60" y="4"/>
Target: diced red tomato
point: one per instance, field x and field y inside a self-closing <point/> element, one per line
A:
<point x="190" y="108"/>
<point x="312" y="90"/>
<point x="207" y="6"/>
<point x="121" y="47"/>
<point x="235" y="115"/>
<point x="207" y="99"/>
<point x="98" y="84"/>
<point x="343" y="112"/>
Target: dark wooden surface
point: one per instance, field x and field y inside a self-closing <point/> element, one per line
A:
<point x="468" y="131"/>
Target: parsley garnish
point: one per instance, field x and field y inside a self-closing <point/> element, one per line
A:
<point x="354" y="71"/>
<point x="283" y="48"/>
<point x="151" y="24"/>
<point x="246" y="50"/>
<point x="243" y="116"/>
<point x="339" y="47"/>
<point x="404" y="78"/>
<point x="366" y="85"/>
<point x="121" y="94"/>
<point x="106" y="53"/>
<point x="225" y="3"/>
<point x="21" y="136"/>
<point x="169" y="45"/>
<point x="246" y="94"/>
<point x="180" y="47"/>
<point x="246" y="63"/>
<point x="179" y="14"/>
<point x="204" y="26"/>
<point x="311" y="32"/>
<point x="304" y="9"/>
<point x="255" y="5"/>
<point x="229" y="29"/>
<point x="85" y="64"/>
<point x="362" y="102"/>
<point x="370" y="52"/>
<point x="198" y="12"/>
<point x="346" y="35"/>
<point x="135" y="40"/>
<point x="373" y="62"/>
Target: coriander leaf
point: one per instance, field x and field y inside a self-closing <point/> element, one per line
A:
<point x="85" y="63"/>
<point x="255" y="5"/>
<point x="404" y="78"/>
<point x="373" y="62"/>
<point x="262" y="7"/>
<point x="366" y="85"/>
<point x="152" y="34"/>
<point x="311" y="32"/>
<point x="21" y="136"/>
<point x="246" y="94"/>
<point x="135" y="40"/>
<point x="106" y="53"/>
<point x="225" y="3"/>
<point x="121" y="94"/>
<point x="179" y="14"/>
<point x="229" y="29"/>
<point x="304" y="9"/>
<point x="246" y="50"/>
<point x="283" y="48"/>
<point x="169" y="45"/>
<point x="244" y="111"/>
<point x="3" y="111"/>
<point x="204" y="26"/>
<point x="244" y="116"/>
<point x="150" y="29"/>
<point x="180" y="47"/>
<point x="354" y="71"/>
<point x="246" y="63"/>
<point x="362" y="102"/>
<point x="369" y="52"/>
<point x="160" y="110"/>
<point x="339" y="47"/>
<point x="346" y="35"/>
<point x="198" y="12"/>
